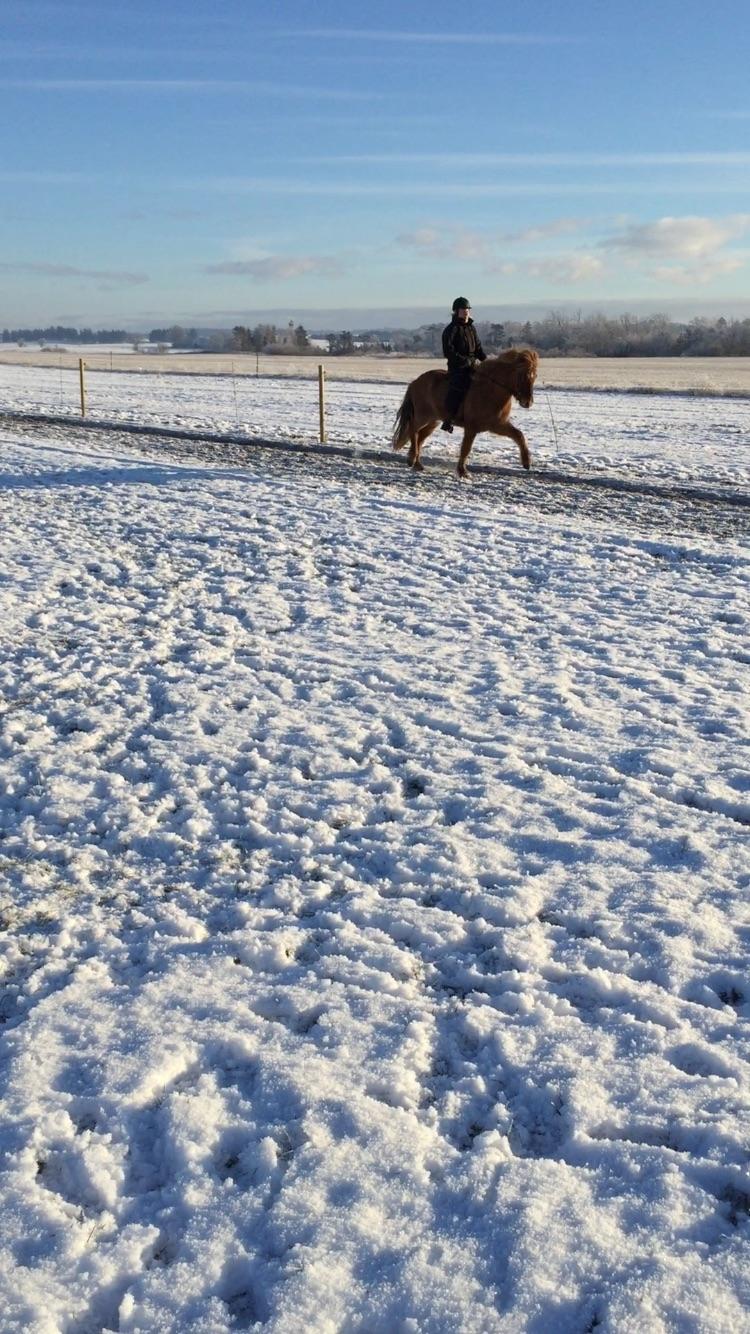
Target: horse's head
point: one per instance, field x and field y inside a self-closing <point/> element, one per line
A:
<point x="524" y="375"/>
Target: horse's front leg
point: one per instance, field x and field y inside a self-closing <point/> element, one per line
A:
<point x="513" y="433"/>
<point x="466" y="444"/>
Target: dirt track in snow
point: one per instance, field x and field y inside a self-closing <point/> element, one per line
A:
<point x="721" y="512"/>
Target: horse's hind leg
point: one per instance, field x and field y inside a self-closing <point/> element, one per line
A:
<point x="414" y="456"/>
<point x="413" y="447"/>
<point x="466" y="444"/>
<point x="513" y="433"/>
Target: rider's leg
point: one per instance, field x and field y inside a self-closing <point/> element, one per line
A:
<point x="458" y="384"/>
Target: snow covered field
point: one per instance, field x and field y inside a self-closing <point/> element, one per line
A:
<point x="665" y="437"/>
<point x="688" y="375"/>
<point x="375" y="870"/>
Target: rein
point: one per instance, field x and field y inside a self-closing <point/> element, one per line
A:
<point x="494" y="380"/>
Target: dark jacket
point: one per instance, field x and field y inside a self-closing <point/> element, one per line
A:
<point x="461" y="345"/>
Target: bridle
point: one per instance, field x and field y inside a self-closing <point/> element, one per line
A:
<point x="494" y="380"/>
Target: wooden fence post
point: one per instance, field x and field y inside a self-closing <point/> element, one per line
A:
<point x="322" y="403"/>
<point x="81" y="368"/>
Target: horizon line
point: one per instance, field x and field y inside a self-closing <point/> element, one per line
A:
<point x="618" y="305"/>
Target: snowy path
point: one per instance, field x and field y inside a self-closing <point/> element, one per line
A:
<point x="704" y="504"/>
<point x="376" y="929"/>
<point x="646" y="435"/>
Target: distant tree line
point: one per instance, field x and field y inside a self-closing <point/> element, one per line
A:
<point x="267" y="337"/>
<point x="558" y="334"/>
<point x="634" y="336"/>
<point x="563" y="335"/>
<point x="59" y="333"/>
<point x="175" y="336"/>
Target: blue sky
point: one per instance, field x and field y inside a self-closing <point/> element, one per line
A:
<point x="163" y="161"/>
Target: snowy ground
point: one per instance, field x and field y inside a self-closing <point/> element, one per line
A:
<point x="666" y="437"/>
<point x="375" y="861"/>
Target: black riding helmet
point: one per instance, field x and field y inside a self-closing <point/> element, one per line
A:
<point x="461" y="303"/>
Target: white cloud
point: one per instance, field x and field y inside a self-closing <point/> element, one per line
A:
<point x="424" y="238"/>
<point x="45" y="178"/>
<point x="450" y="243"/>
<point x="506" y="267"/>
<point x="247" y="248"/>
<point x="482" y="246"/>
<point x="264" y="89"/>
<point x="117" y="276"/>
<point x="491" y="189"/>
<point x="470" y="245"/>
<point x="574" y="268"/>
<point x="487" y="248"/>
<point x="680" y="238"/>
<point x="274" y="267"/>
<point x="441" y="38"/>
<point x="465" y="160"/>
<point x="558" y="227"/>
<point x="684" y="275"/>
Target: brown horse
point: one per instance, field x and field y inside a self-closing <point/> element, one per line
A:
<point x="486" y="407"/>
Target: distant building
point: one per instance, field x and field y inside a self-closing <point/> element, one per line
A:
<point x="286" y="337"/>
<point x="144" y="345"/>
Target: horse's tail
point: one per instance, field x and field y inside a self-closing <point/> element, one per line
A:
<point x="403" y="423"/>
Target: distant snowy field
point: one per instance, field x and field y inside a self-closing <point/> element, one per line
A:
<point x="375" y="857"/>
<point x="708" y="376"/>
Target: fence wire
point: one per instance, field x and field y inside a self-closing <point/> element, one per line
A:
<point x="651" y="432"/>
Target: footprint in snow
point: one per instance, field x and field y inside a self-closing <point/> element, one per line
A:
<point x="692" y="1059"/>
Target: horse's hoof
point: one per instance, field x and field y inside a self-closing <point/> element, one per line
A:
<point x="417" y="467"/>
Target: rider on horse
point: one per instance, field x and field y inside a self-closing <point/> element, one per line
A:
<point x="463" y="349"/>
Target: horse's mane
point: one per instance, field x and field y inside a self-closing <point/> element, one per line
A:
<point x="520" y="365"/>
<point x="516" y="356"/>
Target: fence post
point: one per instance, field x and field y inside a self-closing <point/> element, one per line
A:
<point x="81" y="368"/>
<point x="322" y="403"/>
